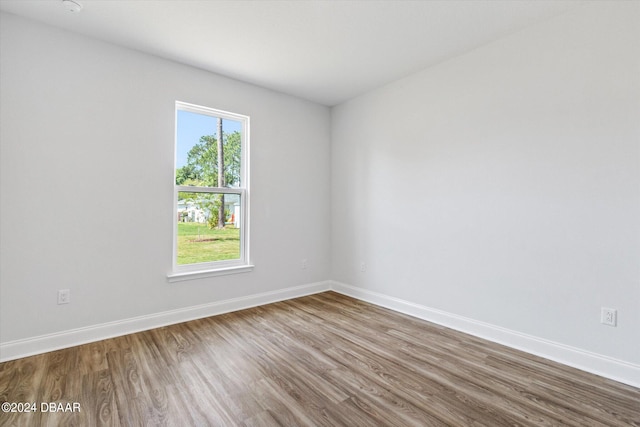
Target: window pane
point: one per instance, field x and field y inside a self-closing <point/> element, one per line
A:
<point x="201" y="236"/>
<point x="197" y="150"/>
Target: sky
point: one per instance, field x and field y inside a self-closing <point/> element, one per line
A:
<point x="191" y="126"/>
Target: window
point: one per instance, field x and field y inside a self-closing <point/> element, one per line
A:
<point x="211" y="197"/>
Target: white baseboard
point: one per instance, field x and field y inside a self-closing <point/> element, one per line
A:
<point x="618" y="370"/>
<point x="50" y="342"/>
<point x="624" y="372"/>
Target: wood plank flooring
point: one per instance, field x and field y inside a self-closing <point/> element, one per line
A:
<point x="321" y="360"/>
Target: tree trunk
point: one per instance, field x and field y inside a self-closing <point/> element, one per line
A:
<point x="221" y="216"/>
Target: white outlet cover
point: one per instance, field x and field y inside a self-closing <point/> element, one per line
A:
<point x="608" y="316"/>
<point x="64" y="296"/>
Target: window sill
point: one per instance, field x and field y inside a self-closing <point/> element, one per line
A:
<point x="200" y="274"/>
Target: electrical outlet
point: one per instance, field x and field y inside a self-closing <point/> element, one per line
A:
<point x="304" y="264"/>
<point x="363" y="267"/>
<point x="609" y="316"/>
<point x="64" y="296"/>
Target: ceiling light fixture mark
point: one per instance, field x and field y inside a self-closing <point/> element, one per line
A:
<point x="72" y="6"/>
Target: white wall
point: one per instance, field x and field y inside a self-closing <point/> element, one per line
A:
<point x="89" y="126"/>
<point x="504" y="185"/>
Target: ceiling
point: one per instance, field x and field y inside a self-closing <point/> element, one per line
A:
<point x="324" y="51"/>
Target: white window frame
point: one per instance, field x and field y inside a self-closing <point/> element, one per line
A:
<point x="214" y="268"/>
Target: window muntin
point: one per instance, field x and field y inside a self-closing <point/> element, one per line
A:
<point x="201" y="243"/>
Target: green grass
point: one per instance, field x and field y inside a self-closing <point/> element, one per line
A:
<point x="198" y="243"/>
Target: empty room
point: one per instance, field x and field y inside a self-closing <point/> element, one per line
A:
<point x="319" y="213"/>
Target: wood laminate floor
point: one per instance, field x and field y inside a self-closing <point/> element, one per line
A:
<point x="321" y="360"/>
